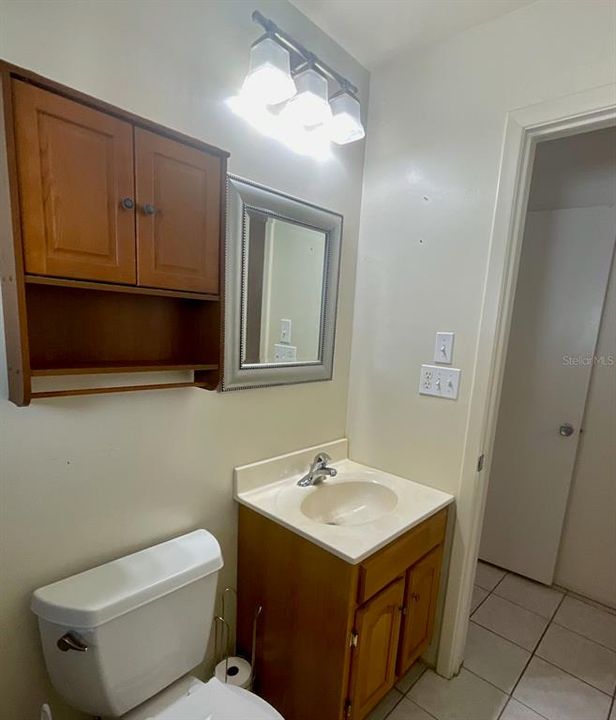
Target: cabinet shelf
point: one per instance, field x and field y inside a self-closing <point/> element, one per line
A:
<point x="117" y="288"/>
<point x="102" y="368"/>
<point x="119" y="389"/>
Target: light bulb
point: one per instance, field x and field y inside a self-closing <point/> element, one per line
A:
<point x="309" y="107"/>
<point x="345" y="125"/>
<point x="269" y="78"/>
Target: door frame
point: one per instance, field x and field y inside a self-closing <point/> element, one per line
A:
<point x="524" y="128"/>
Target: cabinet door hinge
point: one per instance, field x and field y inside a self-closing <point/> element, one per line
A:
<point x="354" y="640"/>
<point x="347" y="710"/>
<point x="480" y="462"/>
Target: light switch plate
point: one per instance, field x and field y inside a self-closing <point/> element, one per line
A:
<point x="439" y="381"/>
<point x="443" y="348"/>
<point x="286" y="327"/>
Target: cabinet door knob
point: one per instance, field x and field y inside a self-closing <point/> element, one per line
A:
<point x="127" y="203"/>
<point x="566" y="430"/>
<point x="149" y="209"/>
<point x="415" y="596"/>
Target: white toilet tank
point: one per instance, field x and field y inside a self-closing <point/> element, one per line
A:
<point x="116" y="635"/>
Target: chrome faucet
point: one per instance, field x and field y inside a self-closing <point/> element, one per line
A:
<point x="318" y="471"/>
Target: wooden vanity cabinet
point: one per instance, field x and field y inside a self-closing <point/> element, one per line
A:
<point x="334" y="638"/>
<point x="111" y="242"/>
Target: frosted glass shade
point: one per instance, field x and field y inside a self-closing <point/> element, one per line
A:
<point x="309" y="107"/>
<point x="345" y="125"/>
<point x="269" y="78"/>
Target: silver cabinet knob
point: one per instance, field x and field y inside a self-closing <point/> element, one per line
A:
<point x="127" y="203"/>
<point x="149" y="209"/>
<point x="566" y="430"/>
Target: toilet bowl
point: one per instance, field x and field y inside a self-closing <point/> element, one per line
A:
<point x="121" y="640"/>
<point x="191" y="699"/>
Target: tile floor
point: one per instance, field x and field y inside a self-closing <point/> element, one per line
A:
<point x="532" y="653"/>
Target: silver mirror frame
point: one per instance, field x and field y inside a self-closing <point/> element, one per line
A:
<point x="243" y="195"/>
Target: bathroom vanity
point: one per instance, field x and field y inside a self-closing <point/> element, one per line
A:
<point x="347" y="574"/>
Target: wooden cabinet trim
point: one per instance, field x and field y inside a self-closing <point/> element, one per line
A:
<point x="11" y="257"/>
<point x="117" y="287"/>
<point x="380" y="569"/>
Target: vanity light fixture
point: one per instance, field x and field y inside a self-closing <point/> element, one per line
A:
<point x="310" y="107"/>
<point x="345" y="125"/>
<point x="286" y="95"/>
<point x="269" y="76"/>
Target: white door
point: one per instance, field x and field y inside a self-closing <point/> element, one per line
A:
<point x="561" y="288"/>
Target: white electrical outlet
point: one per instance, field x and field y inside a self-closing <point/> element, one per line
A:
<point x="439" y="381"/>
<point x="286" y="327"/>
<point x="285" y="353"/>
<point x="443" y="348"/>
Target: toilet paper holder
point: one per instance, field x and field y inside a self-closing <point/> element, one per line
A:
<point x="222" y="632"/>
<point x="223" y="650"/>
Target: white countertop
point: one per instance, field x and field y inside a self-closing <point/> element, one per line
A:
<point x="281" y="499"/>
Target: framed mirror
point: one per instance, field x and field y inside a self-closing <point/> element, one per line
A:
<point x="282" y="267"/>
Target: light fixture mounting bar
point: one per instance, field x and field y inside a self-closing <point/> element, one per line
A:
<point x="284" y="38"/>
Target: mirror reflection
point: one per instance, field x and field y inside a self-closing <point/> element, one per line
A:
<point x="284" y="271"/>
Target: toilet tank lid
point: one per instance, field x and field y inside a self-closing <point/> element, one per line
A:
<point x="96" y="596"/>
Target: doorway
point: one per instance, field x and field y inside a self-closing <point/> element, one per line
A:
<point x="559" y="345"/>
<point x="525" y="128"/>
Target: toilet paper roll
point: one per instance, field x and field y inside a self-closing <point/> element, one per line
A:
<point x="236" y="671"/>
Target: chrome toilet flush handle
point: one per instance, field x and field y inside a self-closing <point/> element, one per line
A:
<point x="71" y="641"/>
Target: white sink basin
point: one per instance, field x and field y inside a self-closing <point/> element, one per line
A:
<point x="353" y="502"/>
<point x="351" y="515"/>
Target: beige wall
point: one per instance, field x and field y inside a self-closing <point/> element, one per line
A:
<point x="436" y="122"/>
<point x="87" y="479"/>
<point x="586" y="558"/>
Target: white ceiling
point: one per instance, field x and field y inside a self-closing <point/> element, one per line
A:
<point x="374" y="30"/>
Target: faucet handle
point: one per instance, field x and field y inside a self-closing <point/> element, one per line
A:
<point x="321" y="459"/>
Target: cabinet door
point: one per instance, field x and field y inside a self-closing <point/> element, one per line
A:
<point x="178" y="217"/>
<point x="74" y="168"/>
<point x="419" y="608"/>
<point x="377" y="626"/>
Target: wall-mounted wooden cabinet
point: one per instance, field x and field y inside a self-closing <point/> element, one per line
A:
<point x="112" y="240"/>
<point x="178" y="227"/>
<point x="334" y="638"/>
